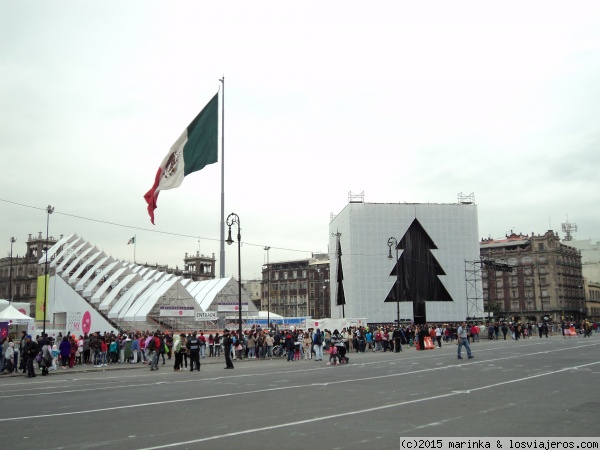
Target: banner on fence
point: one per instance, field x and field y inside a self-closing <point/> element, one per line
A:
<point x="176" y="311"/>
<point x="208" y="315"/>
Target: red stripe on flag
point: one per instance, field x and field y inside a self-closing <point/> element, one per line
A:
<point x="151" y="197"/>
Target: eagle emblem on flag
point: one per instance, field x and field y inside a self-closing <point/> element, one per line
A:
<point x="172" y="163"/>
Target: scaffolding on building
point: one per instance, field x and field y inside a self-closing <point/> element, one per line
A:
<point x="474" y="290"/>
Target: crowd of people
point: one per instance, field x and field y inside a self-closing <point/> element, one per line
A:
<point x="188" y="349"/>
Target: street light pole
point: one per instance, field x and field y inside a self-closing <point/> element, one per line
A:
<point x="49" y="210"/>
<point x="10" y="276"/>
<point x="319" y="300"/>
<point x="268" y="290"/>
<point x="394" y="242"/>
<point x="231" y="219"/>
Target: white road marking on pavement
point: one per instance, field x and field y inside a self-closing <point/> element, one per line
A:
<point x="351" y="413"/>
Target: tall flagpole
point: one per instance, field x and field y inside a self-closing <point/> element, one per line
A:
<point x="134" y="244"/>
<point x="222" y="245"/>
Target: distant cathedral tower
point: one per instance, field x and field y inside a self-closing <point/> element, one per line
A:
<point x="200" y="267"/>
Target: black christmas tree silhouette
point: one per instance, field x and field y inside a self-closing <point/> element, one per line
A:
<point x="419" y="271"/>
<point x="340" y="298"/>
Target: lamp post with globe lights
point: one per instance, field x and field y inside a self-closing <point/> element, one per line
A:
<point x="49" y="210"/>
<point x="394" y="242"/>
<point x="233" y="218"/>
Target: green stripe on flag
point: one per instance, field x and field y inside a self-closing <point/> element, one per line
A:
<point x="201" y="147"/>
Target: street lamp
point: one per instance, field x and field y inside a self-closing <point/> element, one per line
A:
<point x="49" y="210"/>
<point x="10" y="296"/>
<point x="268" y="290"/>
<point x="231" y="219"/>
<point x="394" y="242"/>
<point x="319" y="303"/>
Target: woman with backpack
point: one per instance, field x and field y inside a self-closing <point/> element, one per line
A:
<point x="318" y="345"/>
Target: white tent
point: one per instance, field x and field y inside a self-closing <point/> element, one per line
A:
<point x="266" y="314"/>
<point x="13" y="316"/>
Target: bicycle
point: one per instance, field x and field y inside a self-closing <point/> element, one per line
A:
<point x="279" y="351"/>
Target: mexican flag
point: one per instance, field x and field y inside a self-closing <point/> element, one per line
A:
<point x="196" y="147"/>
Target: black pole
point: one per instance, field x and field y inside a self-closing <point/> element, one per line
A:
<point x="268" y="290"/>
<point x="489" y="291"/>
<point x="239" y="238"/>
<point x="10" y="296"/>
<point x="49" y="210"/>
<point x="397" y="287"/>
<point x="318" y="300"/>
<point x="233" y="218"/>
<point x="222" y="224"/>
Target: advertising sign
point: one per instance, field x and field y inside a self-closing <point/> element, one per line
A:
<point x="231" y="306"/>
<point x="3" y="330"/>
<point x="40" y="297"/>
<point x="176" y="311"/>
<point x="79" y="322"/>
<point x="208" y="315"/>
<point x="22" y="307"/>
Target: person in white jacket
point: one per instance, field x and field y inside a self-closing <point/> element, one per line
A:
<point x="9" y="356"/>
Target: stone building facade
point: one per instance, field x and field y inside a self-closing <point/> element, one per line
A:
<point x="22" y="277"/>
<point x="532" y="277"/>
<point x="297" y="288"/>
<point x="592" y="296"/>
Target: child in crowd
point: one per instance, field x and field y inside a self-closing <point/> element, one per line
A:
<point x="332" y="355"/>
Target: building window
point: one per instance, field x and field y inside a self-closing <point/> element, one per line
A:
<point x="541" y="247"/>
<point x="285" y="275"/>
<point x="295" y="274"/>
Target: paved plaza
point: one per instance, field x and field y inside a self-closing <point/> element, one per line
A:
<point x="533" y="387"/>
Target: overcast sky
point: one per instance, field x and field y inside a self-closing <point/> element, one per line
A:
<point x="404" y="101"/>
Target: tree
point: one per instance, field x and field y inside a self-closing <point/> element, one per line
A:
<point x="419" y="271"/>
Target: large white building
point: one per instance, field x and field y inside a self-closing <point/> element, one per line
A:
<point x="438" y="244"/>
<point x="590" y="257"/>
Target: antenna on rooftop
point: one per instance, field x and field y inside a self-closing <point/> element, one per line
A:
<point x="569" y="227"/>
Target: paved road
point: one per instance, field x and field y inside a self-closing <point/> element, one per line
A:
<point x="535" y="387"/>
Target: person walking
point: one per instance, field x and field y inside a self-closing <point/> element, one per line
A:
<point x="178" y="351"/>
<point x="31" y="350"/>
<point x="152" y="347"/>
<point x="397" y="337"/>
<point x="463" y="340"/>
<point x="217" y="340"/>
<point x="318" y="345"/>
<point x="193" y="346"/>
<point x="438" y="335"/>
<point x="65" y="352"/>
<point x="269" y="341"/>
<point x="227" y="344"/>
<point x="289" y="345"/>
<point x="504" y="330"/>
